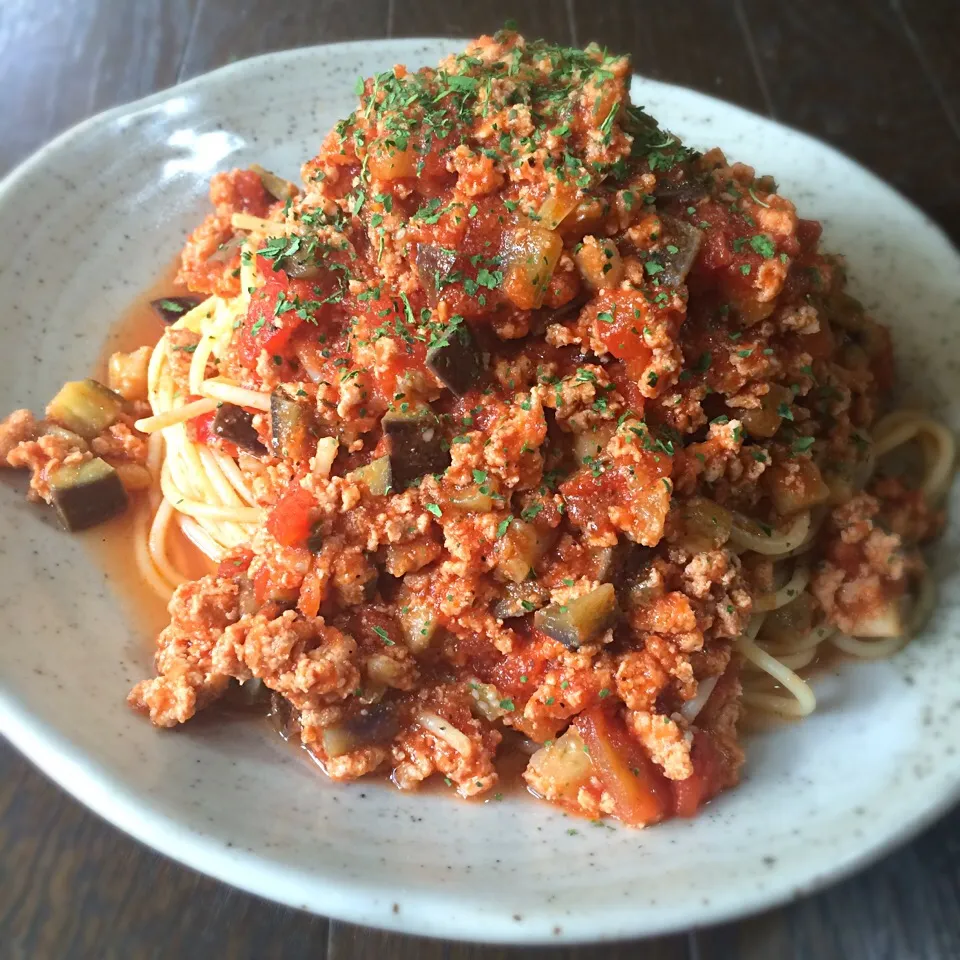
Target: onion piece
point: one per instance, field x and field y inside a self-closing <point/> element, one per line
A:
<point x="557" y="207"/>
<point x="487" y="700"/>
<point x="277" y="187"/>
<point x="693" y="707"/>
<point x="530" y="256"/>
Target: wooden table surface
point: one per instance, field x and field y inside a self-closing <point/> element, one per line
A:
<point x="880" y="79"/>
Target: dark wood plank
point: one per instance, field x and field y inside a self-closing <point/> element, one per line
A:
<point x="933" y="28"/>
<point x="440" y="18"/>
<point x="228" y="31"/>
<point x="348" y="942"/>
<point x="73" y="886"/>
<point x="846" y="71"/>
<point x="697" y="45"/>
<point x="63" y="61"/>
<point x="904" y="908"/>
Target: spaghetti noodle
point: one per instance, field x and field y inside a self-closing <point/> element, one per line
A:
<point x="774" y="664"/>
<point x="203" y="490"/>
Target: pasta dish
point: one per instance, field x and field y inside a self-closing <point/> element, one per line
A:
<point x="519" y="426"/>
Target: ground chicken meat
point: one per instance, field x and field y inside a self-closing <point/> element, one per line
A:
<point x="43" y="457"/>
<point x="188" y="675"/>
<point x="301" y="658"/>
<point x="19" y="427"/>
<point x="860" y="583"/>
<point x="448" y="739"/>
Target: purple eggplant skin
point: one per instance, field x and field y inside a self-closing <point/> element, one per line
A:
<point x="86" y="494"/>
<point x="171" y="309"/>
<point x="416" y="447"/>
<point x="456" y="361"/>
<point x="235" y="424"/>
<point x="433" y="264"/>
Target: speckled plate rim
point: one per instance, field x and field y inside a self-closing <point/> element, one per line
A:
<point x="365" y="902"/>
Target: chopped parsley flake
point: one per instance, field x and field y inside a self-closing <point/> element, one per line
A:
<point x="762" y="244"/>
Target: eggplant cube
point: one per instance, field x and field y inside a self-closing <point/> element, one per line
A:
<point x="86" y="407"/>
<point x="519" y="599"/>
<point x="433" y="264"/>
<point x="684" y="238"/>
<point x="234" y="424"/>
<point x="87" y="493"/>
<point x="416" y="447"/>
<point x="456" y="360"/>
<point x="579" y="621"/>
<point x="375" y="476"/>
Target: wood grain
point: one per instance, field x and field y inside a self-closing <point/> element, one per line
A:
<point x="65" y="60"/>
<point x="846" y="71"/>
<point x="678" y="43"/>
<point x="879" y="79"/>
<point x="73" y="886"/>
<point x="932" y="30"/>
<point x="348" y="942"/>
<point x="228" y="30"/>
<point x="903" y="908"/>
<point x="440" y="18"/>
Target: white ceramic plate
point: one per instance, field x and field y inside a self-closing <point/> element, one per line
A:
<point x="87" y="223"/>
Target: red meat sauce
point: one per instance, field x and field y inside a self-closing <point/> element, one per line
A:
<point x="647" y="328"/>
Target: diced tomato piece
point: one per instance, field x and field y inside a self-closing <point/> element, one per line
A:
<point x="821" y="344"/>
<point x="278" y="309"/>
<point x="260" y="584"/>
<point x="705" y="781"/>
<point x="373" y="317"/>
<point x="290" y="520"/>
<point x="617" y="372"/>
<point x="263" y="329"/>
<point x="640" y="792"/>
<point x="267" y="591"/>
<point x="237" y="562"/>
<point x="637" y="485"/>
<point x="808" y="232"/>
<point x="241" y="190"/>
<point x="201" y="427"/>
<point x="617" y="319"/>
